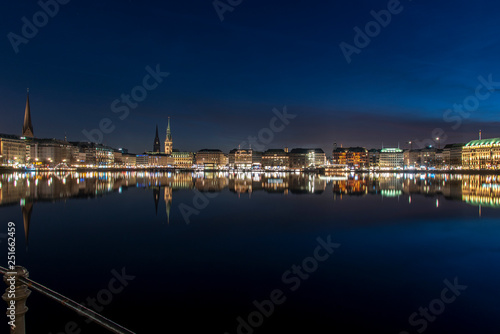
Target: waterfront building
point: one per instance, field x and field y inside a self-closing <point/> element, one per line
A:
<point x="211" y="159"/>
<point x="241" y="158"/>
<point x="257" y="159"/>
<point x="425" y="158"/>
<point x="118" y="157"/>
<point x="481" y="154"/>
<point x="183" y="159"/>
<point x="374" y="158"/>
<point x="354" y="157"/>
<point x="13" y="150"/>
<point x="224" y="160"/>
<point x="155" y="159"/>
<point x="230" y="158"/>
<point x="339" y="156"/>
<point x="168" y="140"/>
<point x="156" y="144"/>
<point x="391" y="158"/>
<point x="455" y="154"/>
<point x="142" y="160"/>
<point x="428" y="157"/>
<point x="275" y="159"/>
<point x="93" y="155"/>
<point x="411" y="159"/>
<point x="442" y="159"/>
<point x="129" y="160"/>
<point x="51" y="152"/>
<point x="301" y="158"/>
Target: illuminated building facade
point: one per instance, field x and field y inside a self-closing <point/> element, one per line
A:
<point x="155" y="159"/>
<point x="183" y="159"/>
<point x="51" y="152"/>
<point x="411" y="159"/>
<point x="374" y="158"/>
<point x="275" y="159"/>
<point x="481" y="154"/>
<point x="168" y="140"/>
<point x="428" y="157"/>
<point x="12" y="150"/>
<point x="93" y="155"/>
<point x="241" y="158"/>
<point x="209" y="158"/>
<point x="339" y="156"/>
<point x="391" y="158"/>
<point x="129" y="160"/>
<point x="442" y="159"/>
<point x="301" y="158"/>
<point x="455" y="154"/>
<point x="257" y="159"/>
<point x="142" y="160"/>
<point x="355" y="157"/>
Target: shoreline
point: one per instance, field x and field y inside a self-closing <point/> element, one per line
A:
<point x="4" y="170"/>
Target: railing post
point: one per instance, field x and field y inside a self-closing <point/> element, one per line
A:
<point x="18" y="292"/>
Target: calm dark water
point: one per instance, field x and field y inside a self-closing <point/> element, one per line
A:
<point x="203" y="248"/>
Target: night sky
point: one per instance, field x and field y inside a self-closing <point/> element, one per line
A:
<point x="225" y="77"/>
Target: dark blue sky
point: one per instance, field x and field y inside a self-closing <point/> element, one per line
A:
<point x="227" y="76"/>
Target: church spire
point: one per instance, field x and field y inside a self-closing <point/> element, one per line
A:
<point x="169" y="134"/>
<point x="27" y="126"/>
<point x="156" y="145"/>
<point x="168" y="140"/>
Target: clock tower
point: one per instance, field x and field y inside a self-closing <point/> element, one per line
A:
<point x="168" y="140"/>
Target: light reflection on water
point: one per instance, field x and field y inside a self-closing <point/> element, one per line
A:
<point x="401" y="236"/>
<point x="31" y="187"/>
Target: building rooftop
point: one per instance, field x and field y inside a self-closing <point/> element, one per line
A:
<point x="6" y="136"/>
<point x="480" y="142"/>
<point x="454" y="145"/>
<point x="275" y="150"/>
<point x="307" y="150"/>
<point x="350" y="149"/>
<point x="391" y="150"/>
<point x="90" y="145"/>
<point x="210" y="150"/>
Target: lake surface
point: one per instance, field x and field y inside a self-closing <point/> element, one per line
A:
<point x="199" y="251"/>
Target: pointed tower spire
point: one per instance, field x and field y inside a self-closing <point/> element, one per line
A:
<point x="169" y="134"/>
<point x="27" y="126"/>
<point x="168" y="140"/>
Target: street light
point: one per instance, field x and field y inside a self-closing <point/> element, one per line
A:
<point x="437" y="138"/>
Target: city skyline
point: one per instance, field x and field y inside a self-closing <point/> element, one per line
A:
<point x="225" y="77"/>
<point x="237" y="166"/>
<point x="167" y="147"/>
